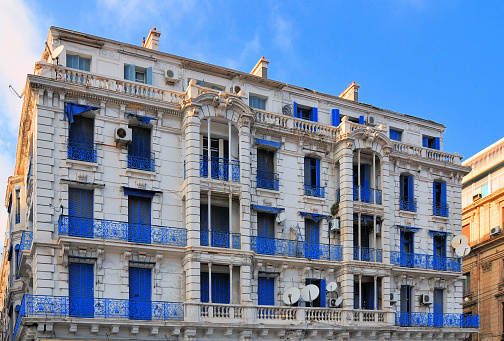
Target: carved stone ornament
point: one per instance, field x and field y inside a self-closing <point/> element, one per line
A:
<point x="486" y="266"/>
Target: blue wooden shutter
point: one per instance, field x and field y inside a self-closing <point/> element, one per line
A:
<point x="405" y="306"/>
<point x="322" y="292"/>
<point x="437" y="143"/>
<point x="72" y="62"/>
<point x="307" y="176"/>
<point x="365" y="175"/>
<point x="361" y="119"/>
<point x="434" y="202"/>
<point x="140" y="145"/>
<point x="81" y="289"/>
<point x="80" y="212"/>
<point x="139" y="219"/>
<point x="438" y="308"/>
<point x="402" y="182"/>
<point x="149" y="75"/>
<point x="295" y="110"/>
<point x="140" y="292"/>
<point x="411" y="183"/>
<point x="220" y="288"/>
<point x="129" y="72"/>
<point x="266" y="291"/>
<point x="204" y="287"/>
<point x="443" y="193"/>
<point x="81" y="132"/>
<point x="335" y="117"/>
<point x="317" y="170"/>
<point x="402" y="242"/>
<point x="314" y="114"/>
<point x="425" y="141"/>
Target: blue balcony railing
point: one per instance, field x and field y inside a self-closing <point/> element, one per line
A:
<point x="314" y="191"/>
<point x="220" y="168"/>
<point x="221" y="239"/>
<point x="26" y="242"/>
<point x="378" y="196"/>
<point x="81" y="151"/>
<point x="117" y="230"/>
<point x="18" y="218"/>
<point x="367" y="254"/>
<point x="146" y="163"/>
<point x="59" y="306"/>
<point x="367" y="195"/>
<point x="440" y="209"/>
<point x="430" y="262"/>
<point x="404" y="319"/>
<point x="294" y="248"/>
<point x="407" y="204"/>
<point x="268" y="180"/>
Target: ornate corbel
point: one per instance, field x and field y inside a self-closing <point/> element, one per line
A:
<point x="158" y="263"/>
<point x="64" y="255"/>
<point x="125" y="259"/>
<point x="99" y="258"/>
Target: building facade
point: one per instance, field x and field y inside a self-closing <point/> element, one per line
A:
<point x="482" y="223"/>
<point x="158" y="197"/>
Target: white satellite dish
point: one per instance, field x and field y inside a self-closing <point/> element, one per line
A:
<point x="462" y="250"/>
<point x="281" y="217"/>
<point x="338" y="302"/>
<point x="310" y="293"/>
<point x="331" y="286"/>
<point x="458" y="240"/>
<point x="291" y="296"/>
<point x="55" y="54"/>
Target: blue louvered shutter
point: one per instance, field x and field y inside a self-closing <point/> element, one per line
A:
<point x="140" y="293"/>
<point x="140" y="145"/>
<point x="139" y="219"/>
<point x="317" y="172"/>
<point x="443" y="193"/>
<point x="335" y="117"/>
<point x="266" y="225"/>
<point x="402" y="185"/>
<point x="425" y="141"/>
<point x="307" y="172"/>
<point x="434" y="199"/>
<point x="411" y="193"/>
<point x="220" y="226"/>
<point x="438" y="308"/>
<point x="402" y="240"/>
<point x="80" y="212"/>
<point x="204" y="225"/>
<point x="322" y="292"/>
<point x="72" y="61"/>
<point x="314" y="114"/>
<point x="81" y="289"/>
<point x="365" y="175"/>
<point x="361" y="119"/>
<point x="220" y="288"/>
<point x="81" y="132"/>
<point x="437" y="143"/>
<point x="129" y="72"/>
<point x="149" y="75"/>
<point x="295" y="110"/>
<point x="266" y="292"/>
<point x="204" y="287"/>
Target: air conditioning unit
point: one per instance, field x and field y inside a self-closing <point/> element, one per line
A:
<point x="496" y="230"/>
<point x="477" y="197"/>
<point x="394" y="297"/>
<point x="169" y="76"/>
<point x="371" y="120"/>
<point x="122" y="136"/>
<point x="335" y="225"/>
<point x="426" y="299"/>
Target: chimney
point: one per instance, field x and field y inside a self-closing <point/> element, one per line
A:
<point x="152" y="41"/>
<point x="261" y="68"/>
<point x="351" y="92"/>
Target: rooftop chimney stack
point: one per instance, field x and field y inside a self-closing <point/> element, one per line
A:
<point x="152" y="41"/>
<point x="351" y="92"/>
<point x="261" y="68"/>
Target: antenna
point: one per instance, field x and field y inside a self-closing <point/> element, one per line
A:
<point x="458" y="240"/>
<point x="310" y="293"/>
<point x="331" y="286"/>
<point x="338" y="302"/>
<point x="57" y="52"/>
<point x="281" y="217"/>
<point x="291" y="296"/>
<point x="462" y="250"/>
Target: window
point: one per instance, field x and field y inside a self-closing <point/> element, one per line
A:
<point x="18" y="206"/>
<point x="140" y="293"/>
<point x="467" y="284"/>
<point x="81" y="289"/>
<point x="257" y="102"/>
<point x="438" y="307"/>
<point x="139" y="150"/>
<point x="395" y="135"/>
<point x="439" y="252"/>
<point x="220" y="226"/>
<point x="266" y="177"/>
<point x="366" y="194"/>
<point x="306" y="113"/>
<point x="484" y="191"/>
<point x="335" y="117"/>
<point x="431" y="142"/>
<point x="312" y="178"/>
<point x="78" y="62"/>
<point x="439" y="205"/>
<point x="80" y="213"/>
<point x="266" y="292"/>
<point x="407" y="200"/>
<point x="139" y="219"/>
<point x="220" y="288"/>
<point x="466" y="231"/>
<point x="81" y="139"/>
<point x="312" y="237"/>
<point x="138" y="74"/>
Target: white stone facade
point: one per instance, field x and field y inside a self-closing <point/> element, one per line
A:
<point x="183" y="111"/>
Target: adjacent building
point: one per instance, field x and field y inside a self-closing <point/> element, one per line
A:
<point x="157" y="197"/>
<point x="482" y="223"/>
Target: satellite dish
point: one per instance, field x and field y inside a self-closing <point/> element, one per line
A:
<point x="291" y="296"/>
<point x="332" y="286"/>
<point x="338" y="302"/>
<point x="458" y="240"/>
<point x="310" y="293"/>
<point x="281" y="217"/>
<point x="462" y="250"/>
<point x="55" y="54"/>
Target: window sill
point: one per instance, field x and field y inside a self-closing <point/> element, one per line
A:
<point x="72" y="162"/>
<point x="144" y="173"/>
<point x="308" y="198"/>
<point x="267" y="191"/>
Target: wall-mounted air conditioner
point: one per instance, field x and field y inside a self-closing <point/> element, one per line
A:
<point x="335" y="225"/>
<point x="496" y="230"/>
<point x="122" y="136"/>
<point x="393" y="297"/>
<point x="477" y="197"/>
<point x="426" y="299"/>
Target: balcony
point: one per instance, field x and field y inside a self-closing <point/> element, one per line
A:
<point x="294" y="248"/>
<point x="117" y="230"/>
<point x="80" y="151"/>
<point x="141" y="162"/>
<point x="26" y="242"/>
<point x="366" y="254"/>
<point x="220" y="239"/>
<point x="100" y="308"/>
<point x="436" y="320"/>
<point x="268" y="180"/>
<point x="440" y="209"/>
<point x="407" y="204"/>
<point x="367" y="195"/>
<point x="314" y="191"/>
<point x="419" y="261"/>
<point x="220" y="168"/>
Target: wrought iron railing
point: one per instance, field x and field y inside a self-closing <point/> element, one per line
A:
<point x="81" y="151"/>
<point x="26" y="242"/>
<point x="220" y="168"/>
<point x="147" y="163"/>
<point x="378" y="196"/>
<point x="117" y="230"/>
<point x="367" y="195"/>
<point x="405" y="319"/>
<point x="18" y="218"/>
<point x="440" y="209"/>
<point x="407" y="204"/>
<point x="367" y="254"/>
<point x="220" y="239"/>
<point x="419" y="261"/>
<point x="295" y="248"/>
<point x="268" y="180"/>
<point x="314" y="191"/>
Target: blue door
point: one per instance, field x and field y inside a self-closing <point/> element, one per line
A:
<point x="81" y="139"/>
<point x="220" y="288"/>
<point x="312" y="242"/>
<point x="266" y="233"/>
<point x="407" y="257"/>
<point x="266" y="290"/>
<point x="81" y="289"/>
<point x="405" y="318"/>
<point x="439" y="257"/>
<point x="140" y="291"/>
<point x="80" y="213"/>
<point x="139" y="150"/>
<point x="438" y="307"/>
<point x="139" y="219"/>
<point x="220" y="226"/>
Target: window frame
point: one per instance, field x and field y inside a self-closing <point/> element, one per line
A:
<point x="393" y="131"/>
<point x="79" y="57"/>
<point x="259" y="99"/>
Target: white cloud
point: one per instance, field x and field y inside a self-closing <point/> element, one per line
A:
<point x="252" y="46"/>
<point x="284" y="32"/>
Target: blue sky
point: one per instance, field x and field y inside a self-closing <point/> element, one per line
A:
<point x="439" y="60"/>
